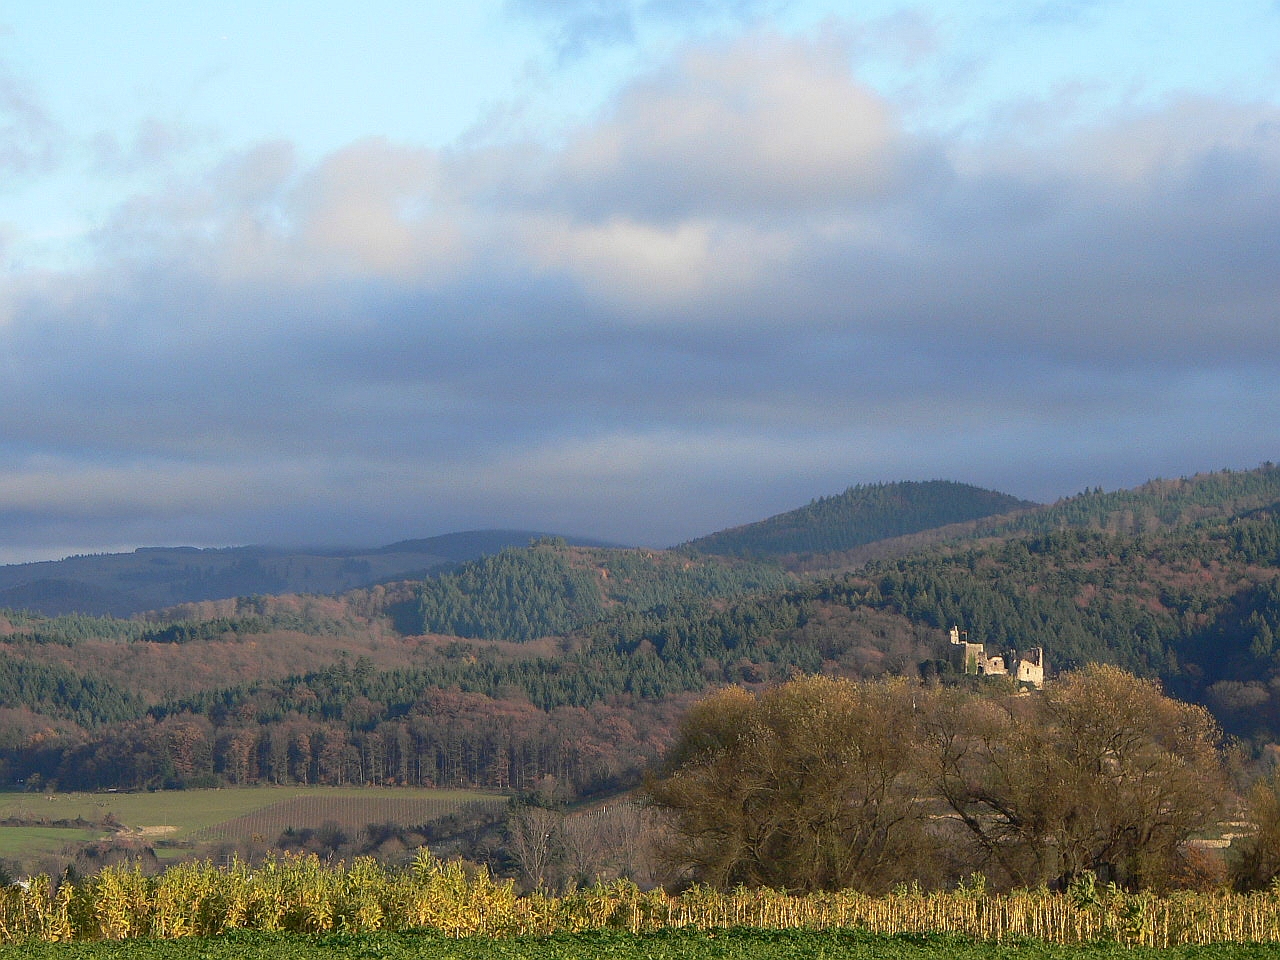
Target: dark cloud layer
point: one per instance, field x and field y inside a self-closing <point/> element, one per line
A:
<point x="743" y="286"/>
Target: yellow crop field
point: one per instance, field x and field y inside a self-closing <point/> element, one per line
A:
<point x="302" y="895"/>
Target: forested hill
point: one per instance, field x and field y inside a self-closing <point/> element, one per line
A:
<point x="859" y="516"/>
<point x="1156" y="505"/>
<point x="551" y="588"/>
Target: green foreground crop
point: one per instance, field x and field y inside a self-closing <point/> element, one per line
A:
<point x="739" y="943"/>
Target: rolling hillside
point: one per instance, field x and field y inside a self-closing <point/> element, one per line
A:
<point x="572" y="663"/>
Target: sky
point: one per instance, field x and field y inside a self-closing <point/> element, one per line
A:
<point x="345" y="274"/>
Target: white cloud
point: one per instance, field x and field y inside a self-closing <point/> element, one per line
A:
<point x="370" y="210"/>
<point x="642" y="269"/>
<point x="374" y="208"/>
<point x="765" y="123"/>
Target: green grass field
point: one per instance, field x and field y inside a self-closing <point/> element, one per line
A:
<point x="191" y="811"/>
<point x="227" y="814"/>
<point x="20" y="843"/>
<point x="351" y="810"/>
<point x="735" y="944"/>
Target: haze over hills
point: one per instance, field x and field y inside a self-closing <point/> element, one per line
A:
<point x="572" y="663"/>
<point x="153" y="578"/>
<point x="840" y="532"/>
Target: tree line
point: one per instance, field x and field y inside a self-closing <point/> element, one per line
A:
<point x="448" y="738"/>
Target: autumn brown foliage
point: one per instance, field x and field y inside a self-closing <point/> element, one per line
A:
<point x="829" y="784"/>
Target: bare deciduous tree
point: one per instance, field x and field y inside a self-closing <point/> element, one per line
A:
<point x="1258" y="863"/>
<point x="811" y="785"/>
<point x="534" y="834"/>
<point x="822" y="783"/>
<point x="1100" y="773"/>
<point x="583" y="851"/>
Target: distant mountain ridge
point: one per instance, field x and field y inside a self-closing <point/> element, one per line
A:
<point x="841" y="532"/>
<point x="861" y="515"/>
<point x="152" y="578"/>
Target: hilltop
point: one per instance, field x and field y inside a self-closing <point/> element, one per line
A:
<point x="859" y="516"/>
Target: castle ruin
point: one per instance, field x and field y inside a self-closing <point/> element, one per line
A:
<point x="971" y="658"/>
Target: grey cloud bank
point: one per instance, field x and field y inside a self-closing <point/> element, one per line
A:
<point x="745" y="285"/>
